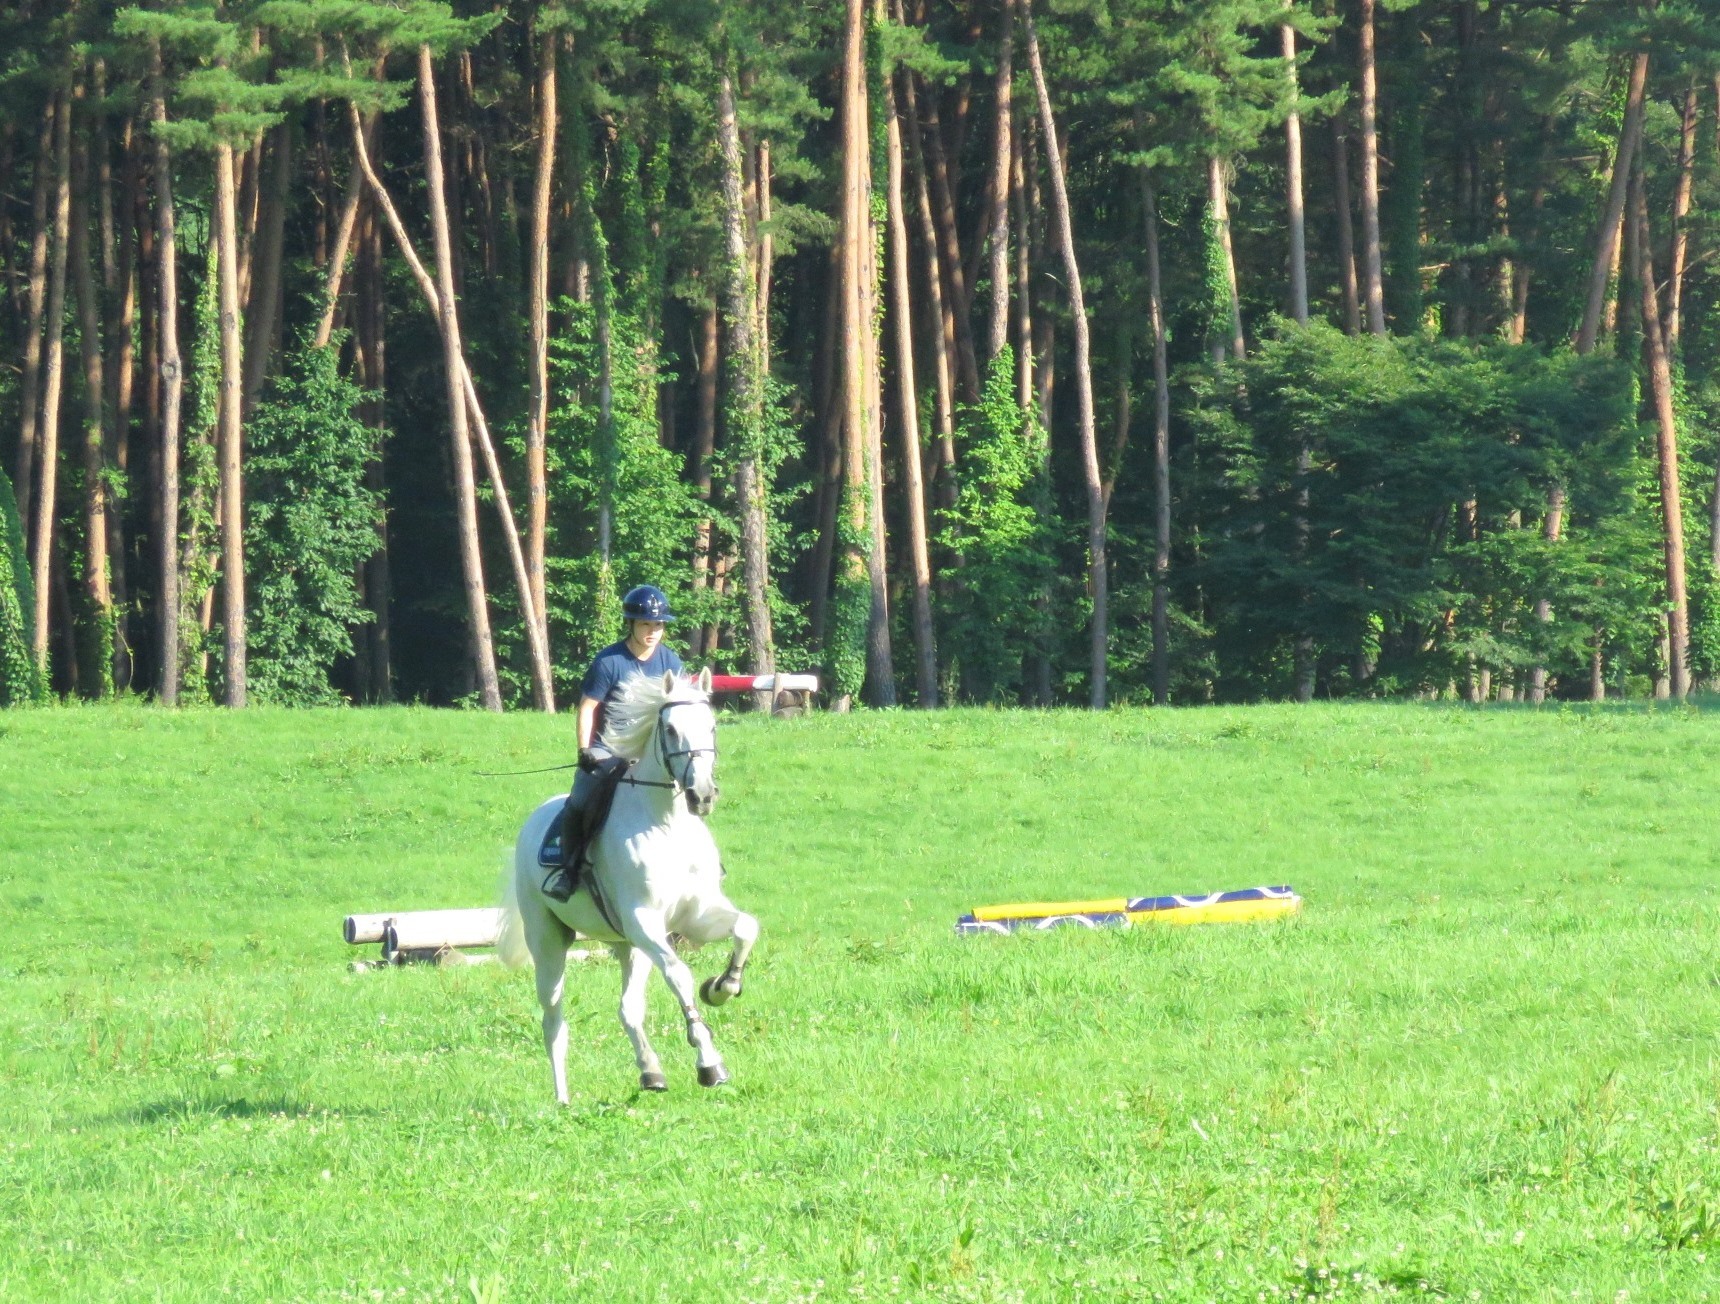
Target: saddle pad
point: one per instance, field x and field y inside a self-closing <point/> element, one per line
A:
<point x="596" y="812"/>
<point x="549" y="854"/>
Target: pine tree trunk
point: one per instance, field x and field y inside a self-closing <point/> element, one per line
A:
<point x="465" y="490"/>
<point x="851" y="575"/>
<point x="172" y="390"/>
<point x="766" y="257"/>
<point x="704" y="447"/>
<point x="880" y="655"/>
<point x="943" y="320"/>
<point x="746" y="397"/>
<point x="148" y="335"/>
<point x="1603" y="271"/>
<point x="102" y="164"/>
<point x="1097" y="579"/>
<point x="537" y="428"/>
<point x="1659" y="367"/>
<point x="264" y="305"/>
<point x="468" y="419"/>
<point x="1044" y="323"/>
<point x="1552" y="527"/>
<point x="1373" y="279"/>
<point x="229" y="432"/>
<point x="42" y="547"/>
<point x="29" y="437"/>
<point x="96" y="674"/>
<point x="1680" y="216"/>
<point x="248" y="194"/>
<point x="1304" y="647"/>
<point x="1218" y="197"/>
<point x="829" y="407"/>
<point x="608" y="464"/>
<point x="1023" y="279"/>
<point x="121" y="322"/>
<point x="345" y="228"/>
<point x="1161" y="453"/>
<point x="1604" y="267"/>
<point x="913" y="488"/>
<point x="1293" y="182"/>
<point x="1346" y="224"/>
<point x="959" y="292"/>
<point x="372" y="331"/>
<point x="1002" y="158"/>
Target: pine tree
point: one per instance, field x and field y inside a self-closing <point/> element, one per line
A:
<point x="312" y="524"/>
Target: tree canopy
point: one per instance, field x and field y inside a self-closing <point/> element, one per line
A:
<point x="368" y="351"/>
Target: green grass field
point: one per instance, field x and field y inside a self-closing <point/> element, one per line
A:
<point x="1483" y="1065"/>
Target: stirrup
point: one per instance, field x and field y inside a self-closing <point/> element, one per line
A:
<point x="559" y="885"/>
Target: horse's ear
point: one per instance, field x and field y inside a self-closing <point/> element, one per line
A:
<point x="668" y="681"/>
<point x="705" y="680"/>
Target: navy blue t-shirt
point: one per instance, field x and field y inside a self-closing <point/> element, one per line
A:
<point x="613" y="667"/>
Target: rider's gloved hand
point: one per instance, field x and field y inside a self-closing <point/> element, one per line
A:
<point x="590" y="759"/>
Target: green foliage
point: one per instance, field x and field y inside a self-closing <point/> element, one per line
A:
<point x="654" y="512"/>
<point x="199" y="473"/>
<point x="995" y="612"/>
<point x="313" y="522"/>
<point x="1420" y="555"/>
<point x="1215" y="285"/>
<point x="850" y="605"/>
<point x="19" y="680"/>
<point x="1397" y="433"/>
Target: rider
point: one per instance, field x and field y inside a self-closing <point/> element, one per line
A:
<point x="641" y="652"/>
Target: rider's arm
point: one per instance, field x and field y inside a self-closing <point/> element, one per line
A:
<point x="587" y="717"/>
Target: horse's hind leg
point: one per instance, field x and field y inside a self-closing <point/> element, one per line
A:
<point x="549" y="957"/>
<point x="744" y="929"/>
<point x="635" y="969"/>
<point x="650" y="933"/>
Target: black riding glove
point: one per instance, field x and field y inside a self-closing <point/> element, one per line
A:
<point x="591" y="760"/>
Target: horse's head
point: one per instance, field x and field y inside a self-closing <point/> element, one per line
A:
<point x="687" y="738"/>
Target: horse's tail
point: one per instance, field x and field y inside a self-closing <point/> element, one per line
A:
<point x="511" y="947"/>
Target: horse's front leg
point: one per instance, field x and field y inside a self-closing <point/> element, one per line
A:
<point x="635" y="969"/>
<point x="744" y="929"/>
<point x="650" y="932"/>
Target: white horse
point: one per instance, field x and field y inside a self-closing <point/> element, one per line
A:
<point x="656" y="871"/>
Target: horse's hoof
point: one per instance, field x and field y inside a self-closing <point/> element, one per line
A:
<point x="656" y="1081"/>
<point x="711" y="992"/>
<point x="713" y="1076"/>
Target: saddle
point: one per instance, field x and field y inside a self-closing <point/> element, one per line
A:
<point x="567" y="842"/>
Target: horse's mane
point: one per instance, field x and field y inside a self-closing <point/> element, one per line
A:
<point x="631" y="718"/>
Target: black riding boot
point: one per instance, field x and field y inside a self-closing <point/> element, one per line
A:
<point x="562" y="884"/>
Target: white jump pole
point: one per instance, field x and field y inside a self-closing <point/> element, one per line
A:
<point x="412" y="930"/>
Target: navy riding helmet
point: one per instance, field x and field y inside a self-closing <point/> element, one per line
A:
<point x="647" y="602"/>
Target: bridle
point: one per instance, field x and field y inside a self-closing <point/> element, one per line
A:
<point x="678" y="783"/>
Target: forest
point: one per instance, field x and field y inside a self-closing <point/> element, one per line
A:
<point x="1014" y="352"/>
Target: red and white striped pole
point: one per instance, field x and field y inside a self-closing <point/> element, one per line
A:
<point x="764" y="683"/>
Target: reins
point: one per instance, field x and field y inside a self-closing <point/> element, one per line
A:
<point x="515" y="774"/>
<point x="676" y="783"/>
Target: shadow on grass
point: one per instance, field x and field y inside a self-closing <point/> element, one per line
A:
<point x="214" y="1105"/>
